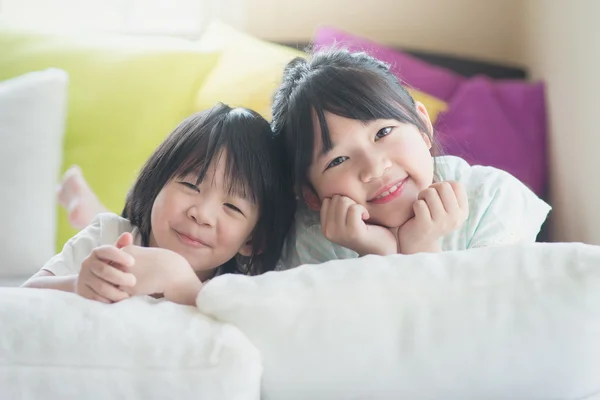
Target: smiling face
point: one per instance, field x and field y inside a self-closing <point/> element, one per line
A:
<point x="381" y="164"/>
<point x="206" y="222"/>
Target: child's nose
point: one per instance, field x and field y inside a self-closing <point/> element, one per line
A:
<point x="202" y="214"/>
<point x="373" y="166"/>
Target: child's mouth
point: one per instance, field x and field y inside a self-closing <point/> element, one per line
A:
<point x="190" y="241"/>
<point x="389" y="193"/>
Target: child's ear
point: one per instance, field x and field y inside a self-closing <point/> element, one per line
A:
<point x="422" y="111"/>
<point x="246" y="249"/>
<point x="310" y="198"/>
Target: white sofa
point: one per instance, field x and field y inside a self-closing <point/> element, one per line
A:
<point x="514" y="322"/>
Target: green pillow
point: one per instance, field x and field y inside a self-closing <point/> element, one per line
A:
<point x="125" y="95"/>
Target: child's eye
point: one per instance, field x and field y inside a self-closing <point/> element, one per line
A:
<point x="383" y="132"/>
<point x="336" y="161"/>
<point x="190" y="186"/>
<point x="234" y="208"/>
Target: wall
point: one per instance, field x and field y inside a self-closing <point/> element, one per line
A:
<point x="561" y="46"/>
<point x="486" y="29"/>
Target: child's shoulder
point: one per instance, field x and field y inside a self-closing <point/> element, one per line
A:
<point x="110" y="220"/>
<point x="305" y="217"/>
<point x="491" y="187"/>
<point x="475" y="178"/>
<point x="109" y="226"/>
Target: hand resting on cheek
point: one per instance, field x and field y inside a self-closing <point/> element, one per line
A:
<point x="440" y="209"/>
<point x="343" y="221"/>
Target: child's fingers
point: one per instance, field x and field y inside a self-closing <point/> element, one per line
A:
<point x="113" y="275"/>
<point x="325" y="210"/>
<point x="448" y="197"/>
<point x="130" y="290"/>
<point x="113" y="255"/>
<point x="126" y="239"/>
<point x="327" y="219"/>
<point x="105" y="290"/>
<point x="89" y="293"/>
<point x="92" y="295"/>
<point x="337" y="212"/>
<point x="421" y="211"/>
<point x="340" y="206"/>
<point x="354" y="217"/>
<point x="461" y="195"/>
<point x="330" y="216"/>
<point x="434" y="203"/>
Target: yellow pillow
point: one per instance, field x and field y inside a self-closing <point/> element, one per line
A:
<point x="125" y="95"/>
<point x="250" y="70"/>
<point x="433" y="105"/>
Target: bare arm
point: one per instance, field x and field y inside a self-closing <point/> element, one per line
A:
<point x="184" y="292"/>
<point x="47" y="280"/>
<point x="163" y="271"/>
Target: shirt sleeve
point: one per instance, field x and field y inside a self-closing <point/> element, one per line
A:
<point x="307" y="245"/>
<point x="314" y="248"/>
<point x="68" y="261"/>
<point x="504" y="211"/>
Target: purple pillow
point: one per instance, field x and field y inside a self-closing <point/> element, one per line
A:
<point x="436" y="81"/>
<point x="501" y="124"/>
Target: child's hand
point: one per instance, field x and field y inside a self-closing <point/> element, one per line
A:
<point x="439" y="210"/>
<point x="343" y="222"/>
<point x="160" y="271"/>
<point x="102" y="276"/>
<point x="151" y="266"/>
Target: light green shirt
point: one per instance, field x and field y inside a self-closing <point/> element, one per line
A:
<point x="502" y="210"/>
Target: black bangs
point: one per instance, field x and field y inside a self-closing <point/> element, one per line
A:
<point x="244" y="172"/>
<point x="358" y="95"/>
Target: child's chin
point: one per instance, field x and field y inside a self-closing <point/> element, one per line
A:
<point x="389" y="221"/>
<point x="398" y="219"/>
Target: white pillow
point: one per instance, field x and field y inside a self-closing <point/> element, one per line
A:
<point x="33" y="110"/>
<point x="57" y="345"/>
<point x="513" y="322"/>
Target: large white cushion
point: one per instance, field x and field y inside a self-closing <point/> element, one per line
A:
<point x="33" y="109"/>
<point x="57" y="345"/>
<point x="514" y="322"/>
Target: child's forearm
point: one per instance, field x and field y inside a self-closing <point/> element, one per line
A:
<point x="184" y="292"/>
<point x="431" y="247"/>
<point x="46" y="280"/>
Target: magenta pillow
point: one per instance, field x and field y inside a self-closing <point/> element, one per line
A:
<point x="501" y="124"/>
<point x="436" y="81"/>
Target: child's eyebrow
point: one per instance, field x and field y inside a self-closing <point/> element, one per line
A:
<point x="236" y="189"/>
<point x="241" y="192"/>
<point x="324" y="151"/>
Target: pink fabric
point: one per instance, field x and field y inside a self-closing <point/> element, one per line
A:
<point x="436" y="81"/>
<point x="498" y="123"/>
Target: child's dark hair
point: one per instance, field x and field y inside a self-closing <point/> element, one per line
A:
<point x="351" y="85"/>
<point x="255" y="165"/>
